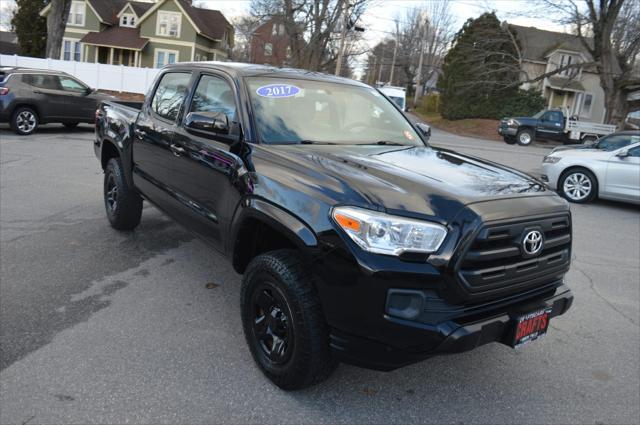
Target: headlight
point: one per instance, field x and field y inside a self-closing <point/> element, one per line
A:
<point x="551" y="159"/>
<point x="387" y="234"/>
<point x="512" y="123"/>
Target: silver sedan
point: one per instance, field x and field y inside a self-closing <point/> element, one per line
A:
<point x="608" y="169"/>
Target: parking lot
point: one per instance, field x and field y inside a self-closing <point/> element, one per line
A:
<point x="99" y="326"/>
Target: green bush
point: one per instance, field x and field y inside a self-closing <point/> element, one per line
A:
<point x="429" y="103"/>
<point x="524" y="103"/>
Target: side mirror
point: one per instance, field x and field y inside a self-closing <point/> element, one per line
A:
<point x="212" y="122"/>
<point x="424" y="129"/>
<point x="623" y="154"/>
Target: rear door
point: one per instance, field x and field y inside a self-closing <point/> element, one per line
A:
<point x="550" y="126"/>
<point x="153" y="134"/>
<point x="203" y="164"/>
<point x="47" y="95"/>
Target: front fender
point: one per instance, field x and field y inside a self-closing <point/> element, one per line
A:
<point x="295" y="229"/>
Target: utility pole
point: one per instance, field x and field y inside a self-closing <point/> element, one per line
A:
<point x="418" y="92"/>
<point x="395" y="52"/>
<point x="381" y="63"/>
<point x="343" y="35"/>
<point x="393" y="62"/>
<point x="372" y="72"/>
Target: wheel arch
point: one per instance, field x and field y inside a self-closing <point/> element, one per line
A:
<point x="260" y="226"/>
<point x="575" y="167"/>
<point x="27" y="105"/>
<point x="108" y="150"/>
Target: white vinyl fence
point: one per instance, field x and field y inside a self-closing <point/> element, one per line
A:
<point x="98" y="76"/>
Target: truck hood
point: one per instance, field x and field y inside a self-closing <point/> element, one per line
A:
<point x="415" y="180"/>
<point x="521" y="120"/>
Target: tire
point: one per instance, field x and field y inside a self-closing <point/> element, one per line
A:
<point x="509" y="140"/>
<point x="283" y="321"/>
<point x="524" y="137"/>
<point x="589" y="139"/>
<point x="571" y="181"/>
<point x="70" y="125"/>
<point x="24" y="121"/>
<point x="122" y="203"/>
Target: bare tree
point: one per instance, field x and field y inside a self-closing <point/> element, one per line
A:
<point x="440" y="29"/>
<point x="56" y="24"/>
<point x="610" y="31"/>
<point x="313" y="28"/>
<point x="245" y="27"/>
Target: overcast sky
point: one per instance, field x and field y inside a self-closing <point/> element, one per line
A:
<point x="378" y="19"/>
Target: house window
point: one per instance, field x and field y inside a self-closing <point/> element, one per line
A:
<point x="587" y="105"/>
<point x="268" y="49"/>
<point x="165" y="57"/>
<point x="567" y="60"/>
<point x="71" y="50"/>
<point x="128" y="20"/>
<point x="278" y="29"/>
<point x="76" y="14"/>
<point x="168" y="24"/>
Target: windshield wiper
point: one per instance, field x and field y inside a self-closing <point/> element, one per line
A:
<point x="314" y="142"/>
<point x="384" y="142"/>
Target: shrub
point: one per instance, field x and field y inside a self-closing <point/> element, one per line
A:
<point x="429" y="103"/>
<point x="523" y="103"/>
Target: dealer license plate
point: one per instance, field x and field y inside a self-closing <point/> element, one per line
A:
<point x="531" y="326"/>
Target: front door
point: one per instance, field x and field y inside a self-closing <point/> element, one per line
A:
<point x="550" y="126"/>
<point x="203" y="166"/>
<point x="153" y="135"/>
<point x="79" y="106"/>
<point x="623" y="175"/>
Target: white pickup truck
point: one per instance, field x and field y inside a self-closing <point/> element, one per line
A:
<point x="551" y="124"/>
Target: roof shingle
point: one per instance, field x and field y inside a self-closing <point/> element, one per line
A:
<point x="121" y="37"/>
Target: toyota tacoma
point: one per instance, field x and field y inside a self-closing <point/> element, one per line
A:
<point x="357" y="240"/>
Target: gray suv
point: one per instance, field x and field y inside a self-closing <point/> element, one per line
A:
<point x="30" y="97"/>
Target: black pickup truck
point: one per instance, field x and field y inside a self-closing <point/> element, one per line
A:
<point x="357" y="241"/>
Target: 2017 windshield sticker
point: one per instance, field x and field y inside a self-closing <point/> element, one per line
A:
<point x="278" y="90"/>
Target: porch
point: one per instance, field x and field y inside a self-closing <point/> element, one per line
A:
<point x="115" y="46"/>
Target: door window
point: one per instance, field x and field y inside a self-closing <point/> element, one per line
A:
<point x="170" y="95"/>
<point x="69" y="84"/>
<point x="613" y="142"/>
<point x="635" y="152"/>
<point x="48" y="82"/>
<point x="213" y="94"/>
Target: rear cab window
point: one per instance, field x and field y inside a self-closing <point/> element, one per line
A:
<point x="170" y="94"/>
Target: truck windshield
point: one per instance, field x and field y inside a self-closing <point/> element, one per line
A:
<point x="292" y="111"/>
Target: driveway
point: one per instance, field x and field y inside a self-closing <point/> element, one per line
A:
<point x="98" y="326"/>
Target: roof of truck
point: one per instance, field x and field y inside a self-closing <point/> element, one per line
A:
<point x="238" y="69"/>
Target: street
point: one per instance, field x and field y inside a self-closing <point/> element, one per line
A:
<point x="99" y="326"/>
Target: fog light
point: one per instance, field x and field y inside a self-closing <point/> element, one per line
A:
<point x="404" y="303"/>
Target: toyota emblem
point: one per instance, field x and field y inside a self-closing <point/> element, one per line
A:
<point x="533" y="242"/>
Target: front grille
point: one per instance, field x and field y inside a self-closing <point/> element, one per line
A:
<point x="495" y="260"/>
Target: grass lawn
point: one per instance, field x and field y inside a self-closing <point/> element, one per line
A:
<point x="472" y="127"/>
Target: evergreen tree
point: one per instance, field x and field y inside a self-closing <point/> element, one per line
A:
<point x="480" y="72"/>
<point x="30" y="27"/>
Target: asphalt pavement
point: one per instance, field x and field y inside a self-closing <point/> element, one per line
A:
<point x="98" y="326"/>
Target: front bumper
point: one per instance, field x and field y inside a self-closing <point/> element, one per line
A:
<point x="551" y="174"/>
<point x="452" y="336"/>
<point x="503" y="130"/>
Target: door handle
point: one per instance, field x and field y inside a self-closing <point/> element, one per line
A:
<point x="37" y="92"/>
<point x="177" y="150"/>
